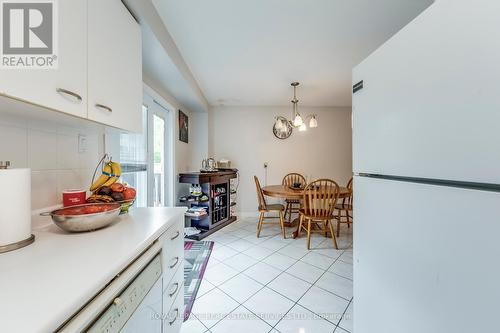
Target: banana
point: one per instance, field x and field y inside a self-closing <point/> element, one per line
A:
<point x="115" y="173"/>
<point x="117" y="169"/>
<point x="103" y="178"/>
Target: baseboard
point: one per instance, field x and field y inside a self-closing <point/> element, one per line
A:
<point x="243" y="215"/>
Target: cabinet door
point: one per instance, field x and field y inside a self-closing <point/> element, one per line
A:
<point x="115" y="66"/>
<point x="65" y="87"/>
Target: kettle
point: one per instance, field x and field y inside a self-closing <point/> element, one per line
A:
<point x="208" y="164"/>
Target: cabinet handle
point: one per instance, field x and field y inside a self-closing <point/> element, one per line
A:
<point x="176" y="315"/>
<point x="68" y="92"/>
<point x="175" y="263"/>
<point x="176" y="288"/>
<point x="176" y="235"/>
<point x="107" y="108"/>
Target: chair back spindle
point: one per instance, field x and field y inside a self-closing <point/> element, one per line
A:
<point x="293" y="178"/>
<point x="260" y="197"/>
<point x="347" y="201"/>
<point x="320" y="198"/>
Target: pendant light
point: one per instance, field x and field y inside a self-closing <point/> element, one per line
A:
<point x="297" y="120"/>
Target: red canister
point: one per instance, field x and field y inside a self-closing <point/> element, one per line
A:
<point x="73" y="197"/>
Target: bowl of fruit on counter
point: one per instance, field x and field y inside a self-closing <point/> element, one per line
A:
<point x="108" y="189"/>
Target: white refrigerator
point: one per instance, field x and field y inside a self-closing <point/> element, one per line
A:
<point x="426" y="158"/>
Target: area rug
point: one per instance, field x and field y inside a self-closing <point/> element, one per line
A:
<point x="196" y="255"/>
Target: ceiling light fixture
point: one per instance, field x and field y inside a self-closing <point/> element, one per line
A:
<point x="297" y="121"/>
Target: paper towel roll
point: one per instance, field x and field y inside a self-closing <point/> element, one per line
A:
<point x="15" y="205"/>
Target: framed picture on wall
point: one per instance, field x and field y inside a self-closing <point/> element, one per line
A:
<point x="183" y="127"/>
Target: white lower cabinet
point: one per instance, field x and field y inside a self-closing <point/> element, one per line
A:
<point x="175" y="315"/>
<point x="173" y="279"/>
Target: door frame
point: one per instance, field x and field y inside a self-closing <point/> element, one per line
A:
<point x="158" y="105"/>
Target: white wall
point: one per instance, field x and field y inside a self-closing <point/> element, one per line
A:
<point x="48" y="144"/>
<point x="244" y="135"/>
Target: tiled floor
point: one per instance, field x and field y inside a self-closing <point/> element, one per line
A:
<point x="271" y="284"/>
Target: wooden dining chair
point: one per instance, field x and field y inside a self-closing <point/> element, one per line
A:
<point x="317" y="209"/>
<point x="293" y="205"/>
<point x="264" y="208"/>
<point x="344" y="209"/>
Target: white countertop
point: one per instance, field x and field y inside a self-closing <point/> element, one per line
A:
<point x="46" y="282"/>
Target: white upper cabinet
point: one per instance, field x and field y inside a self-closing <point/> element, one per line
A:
<point x="114" y="66"/>
<point x="65" y="87"/>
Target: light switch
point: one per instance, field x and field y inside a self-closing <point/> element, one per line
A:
<point x="82" y="143"/>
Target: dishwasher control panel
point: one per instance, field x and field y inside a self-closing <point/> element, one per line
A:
<point x="123" y="306"/>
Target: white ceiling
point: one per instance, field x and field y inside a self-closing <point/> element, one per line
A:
<point x="248" y="52"/>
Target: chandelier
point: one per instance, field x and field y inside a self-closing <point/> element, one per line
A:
<point x="297" y="121"/>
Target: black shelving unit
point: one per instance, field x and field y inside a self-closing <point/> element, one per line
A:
<point x="217" y="186"/>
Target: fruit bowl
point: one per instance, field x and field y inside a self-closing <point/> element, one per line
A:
<point x="125" y="205"/>
<point x="86" y="217"/>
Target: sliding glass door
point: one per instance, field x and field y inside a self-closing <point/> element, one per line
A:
<point x="159" y="153"/>
<point x="146" y="157"/>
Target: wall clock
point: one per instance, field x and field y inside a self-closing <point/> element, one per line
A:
<point x="284" y="131"/>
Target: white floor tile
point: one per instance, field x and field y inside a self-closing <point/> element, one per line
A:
<point x="254" y="240"/>
<point x="221" y="252"/>
<point x="262" y="273"/>
<point x="295" y="252"/>
<point x="318" y="260"/>
<point x="242" y="233"/>
<point x="344" y="243"/>
<point x="316" y="240"/>
<point x="213" y="307"/>
<point x="325" y="304"/>
<point x="193" y="325"/>
<point x="240" y="245"/>
<point x="205" y="287"/>
<point x="269" y="305"/>
<point x="240" y="262"/>
<point x="336" y="284"/>
<point x="269" y="232"/>
<point x="289" y="286"/>
<point x="342" y="268"/>
<point x="258" y="253"/>
<point x="224" y="238"/>
<point x="252" y="227"/>
<point x="241" y="287"/>
<point x="346" y="257"/>
<point x="272" y="244"/>
<point x="279" y="261"/>
<point x="327" y="251"/>
<point x="305" y="271"/>
<point x="241" y="321"/>
<point x="219" y="274"/>
<point x="300" y="320"/>
<point x="346" y="322"/>
<point x="212" y="262"/>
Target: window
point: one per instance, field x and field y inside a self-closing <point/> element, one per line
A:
<point x="134" y="160"/>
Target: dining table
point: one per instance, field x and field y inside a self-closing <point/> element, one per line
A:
<point x="287" y="192"/>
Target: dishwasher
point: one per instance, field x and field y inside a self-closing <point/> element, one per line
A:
<point x="130" y="303"/>
<point x="138" y="307"/>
